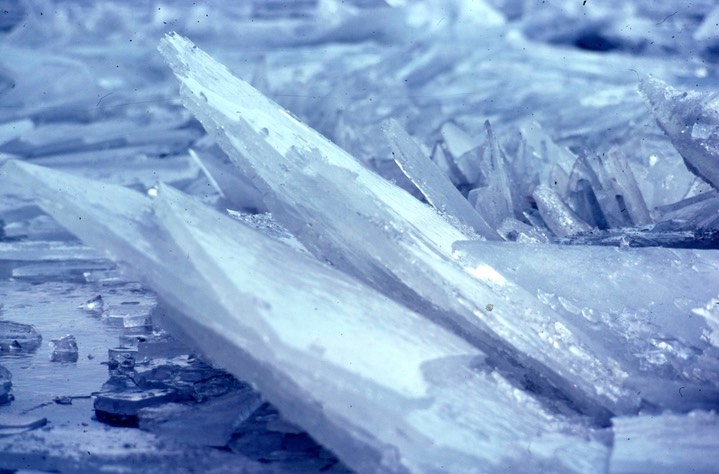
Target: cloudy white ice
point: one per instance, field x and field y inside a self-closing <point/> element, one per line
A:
<point x="432" y="236"/>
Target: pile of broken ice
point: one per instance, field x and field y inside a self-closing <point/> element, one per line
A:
<point x="501" y="255"/>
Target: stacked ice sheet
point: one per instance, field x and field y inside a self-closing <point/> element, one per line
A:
<point x="375" y="301"/>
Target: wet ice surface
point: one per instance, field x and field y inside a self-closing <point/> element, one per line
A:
<point x="583" y="132"/>
<point x="57" y="395"/>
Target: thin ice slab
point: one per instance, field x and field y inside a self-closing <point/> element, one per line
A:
<point x="375" y="231"/>
<point x="381" y="386"/>
<point x="434" y="185"/>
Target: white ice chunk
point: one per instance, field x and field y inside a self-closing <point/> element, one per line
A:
<point x="435" y="186"/>
<point x="383" y="387"/>
<point x="335" y="207"/>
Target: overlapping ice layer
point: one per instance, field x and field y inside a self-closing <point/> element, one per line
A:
<point x="404" y="336"/>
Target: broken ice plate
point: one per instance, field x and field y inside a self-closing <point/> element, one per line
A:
<point x="335" y="206"/>
<point x="121" y="408"/>
<point x="18" y="337"/>
<point x="356" y="369"/>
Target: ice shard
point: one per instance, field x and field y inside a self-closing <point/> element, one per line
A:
<point x="384" y="388"/>
<point x="556" y="214"/>
<point x="616" y="190"/>
<point x="335" y="206"/>
<point x="691" y="120"/>
<point x="493" y="195"/>
<point x="432" y="183"/>
<point x="641" y="305"/>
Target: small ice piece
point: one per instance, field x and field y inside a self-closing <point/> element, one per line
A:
<point x="64" y="349"/>
<point x="105" y="277"/>
<point x="617" y="192"/>
<point x="517" y="231"/>
<point x="94" y="305"/>
<point x="160" y="345"/>
<point x="121" y="360"/>
<point x="434" y="186"/>
<point x="18" y="337"/>
<point x="12" y="424"/>
<point x="121" y="408"/>
<point x="691" y="120"/>
<point x="186" y="374"/>
<point x="211" y="423"/>
<point x="666" y="443"/>
<point x="556" y="214"/>
<point x="129" y="315"/>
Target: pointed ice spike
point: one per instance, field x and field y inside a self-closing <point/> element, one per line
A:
<point x="581" y="195"/>
<point x="381" y="386"/>
<point x="434" y="186"/>
<point x="558" y="216"/>
<point x="691" y="120"/>
<point x="441" y="159"/>
<point x="369" y="228"/>
<point x="622" y="182"/>
<point x="650" y="293"/>
<point x="493" y="198"/>
<point x="616" y="190"/>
